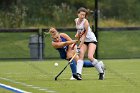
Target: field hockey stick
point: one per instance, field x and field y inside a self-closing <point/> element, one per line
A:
<point x="77" y="41"/>
<point x="65" y="67"/>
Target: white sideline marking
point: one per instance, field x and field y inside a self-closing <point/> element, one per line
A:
<point x="31" y="86"/>
<point x="13" y="88"/>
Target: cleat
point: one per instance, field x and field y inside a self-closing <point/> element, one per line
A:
<point x="72" y="78"/>
<point x="77" y="76"/>
<point x="101" y="76"/>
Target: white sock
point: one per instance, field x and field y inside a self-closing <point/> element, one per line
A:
<point x="97" y="66"/>
<point x="79" y="66"/>
<point x="94" y="62"/>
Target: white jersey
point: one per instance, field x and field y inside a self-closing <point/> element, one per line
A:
<point x="90" y="37"/>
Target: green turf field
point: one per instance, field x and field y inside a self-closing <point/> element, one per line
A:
<point x="122" y="76"/>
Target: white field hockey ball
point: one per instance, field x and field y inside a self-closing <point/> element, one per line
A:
<point x="56" y="64"/>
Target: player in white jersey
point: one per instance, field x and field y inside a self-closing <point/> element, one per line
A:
<point x="87" y="42"/>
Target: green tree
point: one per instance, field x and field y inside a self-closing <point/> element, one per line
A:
<point x="120" y="9"/>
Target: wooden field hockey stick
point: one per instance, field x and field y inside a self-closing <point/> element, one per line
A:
<point x="65" y="67"/>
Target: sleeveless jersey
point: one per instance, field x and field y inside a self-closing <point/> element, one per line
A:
<point x="63" y="51"/>
<point x="90" y="37"/>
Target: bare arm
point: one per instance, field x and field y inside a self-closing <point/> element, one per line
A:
<point x="65" y="36"/>
<point x="62" y="44"/>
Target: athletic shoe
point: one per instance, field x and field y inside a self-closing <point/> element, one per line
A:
<point x="101" y="76"/>
<point x="72" y="78"/>
<point x="77" y="76"/>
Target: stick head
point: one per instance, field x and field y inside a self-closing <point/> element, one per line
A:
<point x="55" y="78"/>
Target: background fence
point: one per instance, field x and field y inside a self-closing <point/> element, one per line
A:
<point x="34" y="44"/>
<point x="15" y="43"/>
<point x="119" y="43"/>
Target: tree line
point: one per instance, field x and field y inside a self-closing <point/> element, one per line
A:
<point x="24" y="13"/>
